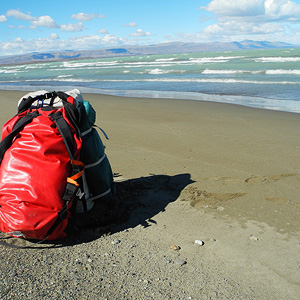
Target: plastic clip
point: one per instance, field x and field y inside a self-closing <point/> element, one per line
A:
<point x="70" y="191"/>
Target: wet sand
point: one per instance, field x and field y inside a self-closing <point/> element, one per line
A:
<point x="223" y="174"/>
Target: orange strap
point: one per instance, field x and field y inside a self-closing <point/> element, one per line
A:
<point x="73" y="178"/>
<point x="77" y="163"/>
<point x="70" y="180"/>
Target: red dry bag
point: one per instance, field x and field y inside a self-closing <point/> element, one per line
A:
<point x="39" y="169"/>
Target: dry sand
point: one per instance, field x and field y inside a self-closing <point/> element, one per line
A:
<point x="223" y="174"/>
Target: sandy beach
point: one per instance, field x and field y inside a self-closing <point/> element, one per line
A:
<point x="224" y="175"/>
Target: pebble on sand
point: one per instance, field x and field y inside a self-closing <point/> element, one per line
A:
<point x="253" y="238"/>
<point x="199" y="242"/>
<point x="180" y="262"/>
<point x="175" y="247"/>
<point x="116" y="241"/>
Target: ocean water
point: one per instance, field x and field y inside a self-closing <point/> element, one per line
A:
<point x="268" y="79"/>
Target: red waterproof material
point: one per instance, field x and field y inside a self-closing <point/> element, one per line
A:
<point x="33" y="178"/>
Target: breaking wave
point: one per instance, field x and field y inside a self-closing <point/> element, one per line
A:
<point x="277" y="59"/>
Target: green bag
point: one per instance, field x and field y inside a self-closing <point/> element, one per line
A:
<point x="98" y="184"/>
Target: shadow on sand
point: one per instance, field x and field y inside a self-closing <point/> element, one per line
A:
<point x="137" y="202"/>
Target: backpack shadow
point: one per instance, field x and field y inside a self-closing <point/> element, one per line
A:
<point x="137" y="201"/>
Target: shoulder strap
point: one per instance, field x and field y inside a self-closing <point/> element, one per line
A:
<point x="65" y="132"/>
<point x="7" y="141"/>
<point x="77" y="166"/>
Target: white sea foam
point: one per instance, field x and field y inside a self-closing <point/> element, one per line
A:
<point x="277" y="59"/>
<point x="144" y="64"/>
<point x="117" y="65"/>
<point x="12" y="71"/>
<point x="67" y="64"/>
<point x="268" y="72"/>
<point x="75" y="80"/>
<point x="217" y="59"/>
<point x="64" y="80"/>
<point x="158" y="71"/>
<point x="165" y="59"/>
<point x="35" y="66"/>
<point x="283" y="72"/>
<point x="63" y="76"/>
<point x="216" y="72"/>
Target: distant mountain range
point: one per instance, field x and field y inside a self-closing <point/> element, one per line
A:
<point x="166" y="48"/>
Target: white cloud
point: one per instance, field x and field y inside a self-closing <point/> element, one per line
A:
<point x="258" y="10"/>
<point x="140" y="32"/>
<point x="54" y="36"/>
<point x="110" y="39"/>
<point x="44" y="21"/>
<point x="282" y="10"/>
<point x="92" y="41"/>
<point x="47" y="21"/>
<point x="267" y="28"/>
<point x="102" y="31"/>
<point x="131" y="24"/>
<point x="72" y="27"/>
<point x="18" y="40"/>
<point x="86" y="17"/>
<point x="3" y="18"/>
<point x="236" y="7"/>
<point x="264" y="19"/>
<point x="237" y="31"/>
<point x="19" y="46"/>
<point x="235" y="28"/>
<point x="19" y="15"/>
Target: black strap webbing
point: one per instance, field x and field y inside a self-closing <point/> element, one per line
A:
<point x="68" y="138"/>
<point x="61" y="215"/>
<point x="65" y="132"/>
<point x="7" y="141"/>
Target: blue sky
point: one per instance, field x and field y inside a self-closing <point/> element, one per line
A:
<point x="48" y="25"/>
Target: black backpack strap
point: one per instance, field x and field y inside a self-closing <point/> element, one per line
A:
<point x="65" y="132"/>
<point x="77" y="166"/>
<point x="7" y="141"/>
<point x="61" y="215"/>
<point x="72" y="111"/>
